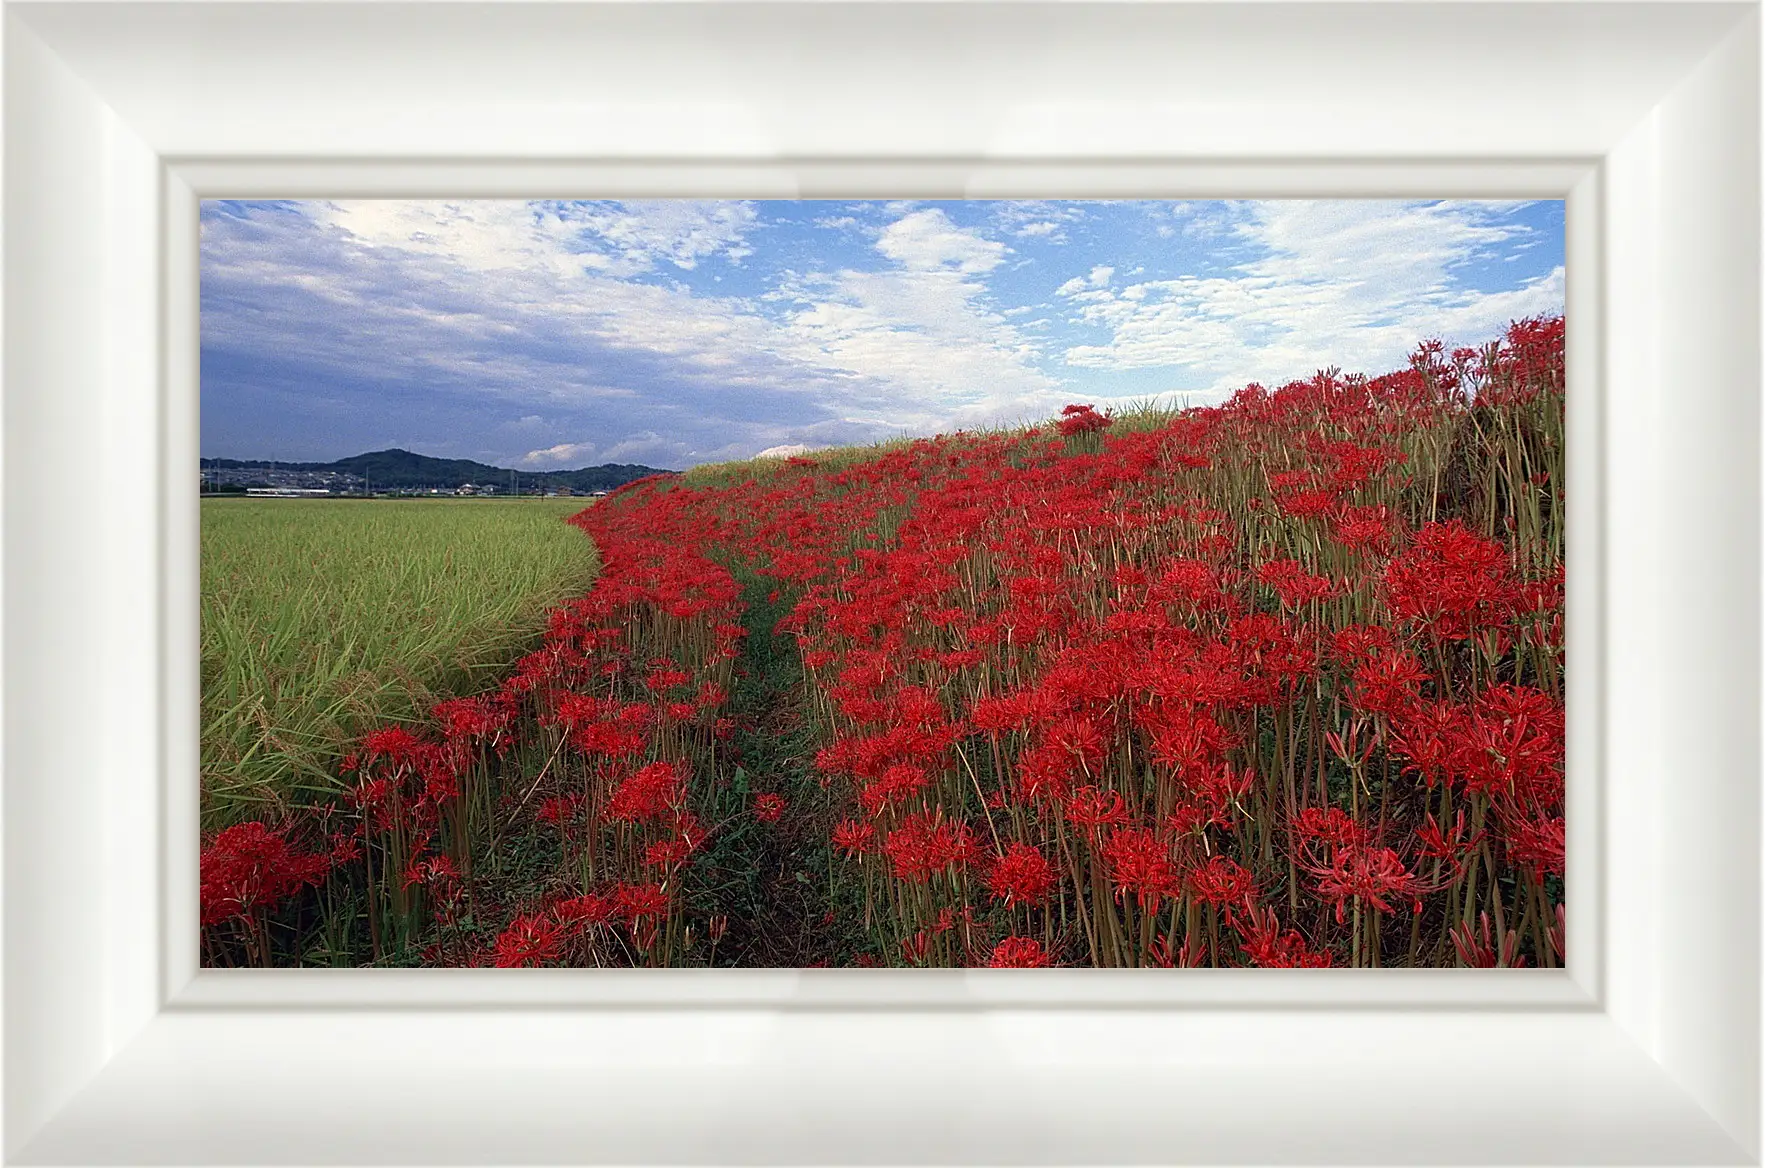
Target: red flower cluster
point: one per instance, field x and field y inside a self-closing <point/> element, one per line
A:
<point x="252" y="866"/>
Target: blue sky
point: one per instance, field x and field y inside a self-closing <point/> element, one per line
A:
<point x="551" y="335"/>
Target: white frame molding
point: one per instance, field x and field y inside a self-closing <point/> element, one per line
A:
<point x="119" y="117"/>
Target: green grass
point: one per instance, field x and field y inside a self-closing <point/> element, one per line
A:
<point x="324" y="618"/>
<point x="1130" y="417"/>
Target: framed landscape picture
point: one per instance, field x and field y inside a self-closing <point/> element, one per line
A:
<point x="883" y="583"/>
<point x="353" y="248"/>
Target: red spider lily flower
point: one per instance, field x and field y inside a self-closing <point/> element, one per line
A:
<point x="1021" y="876"/>
<point x="251" y="865"/>
<point x="394" y="744"/>
<point x="1431" y="738"/>
<point x="437" y="871"/>
<point x="668" y="853"/>
<point x="1293" y="584"/>
<point x="1274" y="655"/>
<point x="1045" y="775"/>
<point x="1093" y="809"/>
<point x="649" y="793"/>
<point x="1372" y="874"/>
<point x="1222" y="881"/>
<point x="1185" y="738"/>
<point x="664" y="676"/>
<point x="591" y="909"/>
<point x="689" y="831"/>
<point x="896" y="785"/>
<point x="1364" y="529"/>
<point x="345" y="849"/>
<point x="1191" y="586"/>
<point x="1285" y="482"/>
<point x="378" y="801"/>
<point x="1219" y="786"/>
<point x="1079" y="736"/>
<point x="926" y="844"/>
<point x="1267" y="946"/>
<point x="1307" y="504"/>
<point x="608" y="740"/>
<point x="638" y="902"/>
<point x="1536" y="845"/>
<point x="1356" y="645"/>
<point x="1513" y="746"/>
<point x="768" y="808"/>
<point x="1140" y="864"/>
<point x="917" y="948"/>
<point x="995" y="714"/>
<point x="1076" y="419"/>
<point x="1452" y="582"/>
<point x="560" y="810"/>
<point x="1437" y="844"/>
<point x="476" y="719"/>
<point x="1189" y="818"/>
<point x="529" y="940"/>
<point x="854" y="838"/>
<point x="1019" y="953"/>
<point x="1389" y="683"/>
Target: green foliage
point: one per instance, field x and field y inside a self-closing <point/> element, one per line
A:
<point x="321" y="619"/>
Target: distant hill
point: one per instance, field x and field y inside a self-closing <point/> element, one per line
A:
<point x="401" y="469"/>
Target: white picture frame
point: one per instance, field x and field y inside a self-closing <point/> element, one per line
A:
<point x="119" y="117"/>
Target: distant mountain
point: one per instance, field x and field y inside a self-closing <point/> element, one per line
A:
<point x="401" y="469"/>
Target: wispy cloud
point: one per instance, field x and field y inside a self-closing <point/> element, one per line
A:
<point x="1350" y="284"/>
<point x="1040" y="219"/>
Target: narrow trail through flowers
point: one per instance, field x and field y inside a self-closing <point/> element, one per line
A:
<point x="1274" y="683"/>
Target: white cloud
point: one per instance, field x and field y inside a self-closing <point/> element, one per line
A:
<point x="618" y="239"/>
<point x="1044" y="219"/>
<point x="927" y="329"/>
<point x="1353" y="284"/>
<point x="563" y="451"/>
<point x="927" y="241"/>
<point x="788" y="450"/>
<point x="1086" y="287"/>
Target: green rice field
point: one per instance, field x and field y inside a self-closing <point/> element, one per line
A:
<point x="324" y="618"/>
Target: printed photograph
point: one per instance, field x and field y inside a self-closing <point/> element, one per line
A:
<point x="882" y="584"/>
